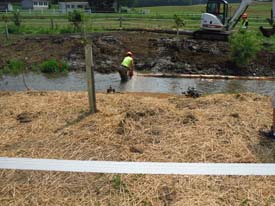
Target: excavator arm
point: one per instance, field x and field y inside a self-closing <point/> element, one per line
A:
<point x="268" y="32"/>
<point x="238" y="14"/>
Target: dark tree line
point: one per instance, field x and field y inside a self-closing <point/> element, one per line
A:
<point x="141" y="3"/>
<point x="105" y="4"/>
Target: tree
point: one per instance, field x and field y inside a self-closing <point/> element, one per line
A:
<point x="17" y="18"/>
<point x="101" y="5"/>
<point x="108" y="5"/>
<point x="76" y="18"/>
<point x="178" y="23"/>
<point x="5" y="19"/>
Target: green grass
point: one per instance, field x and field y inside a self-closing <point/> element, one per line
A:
<point x="13" y="66"/>
<point x="254" y="10"/>
<point x="170" y="10"/>
<point x="158" y="17"/>
<point x="54" y="66"/>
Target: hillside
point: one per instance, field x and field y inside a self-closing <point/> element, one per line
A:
<point x="153" y="52"/>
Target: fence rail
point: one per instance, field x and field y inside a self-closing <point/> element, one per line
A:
<point x="94" y="22"/>
<point x="164" y="168"/>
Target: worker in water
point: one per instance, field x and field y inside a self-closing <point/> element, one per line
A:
<point x="244" y="22"/>
<point x="127" y="67"/>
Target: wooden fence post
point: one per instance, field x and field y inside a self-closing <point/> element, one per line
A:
<point x="90" y="77"/>
<point x="120" y="22"/>
<point x="52" y="24"/>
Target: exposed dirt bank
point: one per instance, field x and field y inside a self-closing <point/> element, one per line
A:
<point x="153" y="52"/>
<point x="134" y="127"/>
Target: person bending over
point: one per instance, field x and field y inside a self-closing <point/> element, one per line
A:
<point x="127" y="67"/>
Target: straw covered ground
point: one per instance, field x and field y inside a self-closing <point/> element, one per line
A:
<point x="135" y="127"/>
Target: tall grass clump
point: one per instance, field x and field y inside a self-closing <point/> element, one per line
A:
<point x="54" y="66"/>
<point x="12" y="66"/>
<point x="244" y="47"/>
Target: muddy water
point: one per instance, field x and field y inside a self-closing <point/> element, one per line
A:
<point x="77" y="82"/>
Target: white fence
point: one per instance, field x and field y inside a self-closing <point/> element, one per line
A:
<point x="153" y="168"/>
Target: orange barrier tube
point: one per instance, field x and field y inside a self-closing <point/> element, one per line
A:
<point x="203" y="76"/>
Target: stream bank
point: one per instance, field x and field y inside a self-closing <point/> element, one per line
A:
<point x="153" y="53"/>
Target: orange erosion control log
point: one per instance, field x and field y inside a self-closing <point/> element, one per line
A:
<point x="201" y="76"/>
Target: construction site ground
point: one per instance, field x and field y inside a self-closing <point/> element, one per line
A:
<point x="220" y="128"/>
<point x="153" y="53"/>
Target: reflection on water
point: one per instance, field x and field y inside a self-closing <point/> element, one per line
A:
<point x="76" y="81"/>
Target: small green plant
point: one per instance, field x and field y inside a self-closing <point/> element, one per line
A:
<point x="244" y="202"/>
<point x="13" y="66"/>
<point x="15" y="29"/>
<point x="17" y="18"/>
<point x="76" y="17"/>
<point x="5" y="19"/>
<point x="179" y="22"/>
<point x="244" y="47"/>
<point x="54" y="66"/>
<point x="118" y="184"/>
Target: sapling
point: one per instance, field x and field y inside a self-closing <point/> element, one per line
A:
<point x="178" y="23"/>
<point x="5" y="19"/>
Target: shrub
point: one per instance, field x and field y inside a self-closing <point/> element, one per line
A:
<point x="17" y="18"/>
<point x="76" y="17"/>
<point x="14" y="29"/>
<point x="66" y="30"/>
<point x="13" y="66"/>
<point x="53" y="66"/>
<point x="179" y="22"/>
<point x="244" y="47"/>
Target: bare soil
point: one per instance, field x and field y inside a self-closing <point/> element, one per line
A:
<point x="153" y="52"/>
<point x="135" y="127"/>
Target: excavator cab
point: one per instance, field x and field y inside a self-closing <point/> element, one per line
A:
<point x="218" y="8"/>
<point x="216" y="23"/>
<point x="216" y="15"/>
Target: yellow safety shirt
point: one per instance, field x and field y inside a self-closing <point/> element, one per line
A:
<point x="127" y="61"/>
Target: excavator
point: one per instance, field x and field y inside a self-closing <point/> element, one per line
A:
<point x="217" y="25"/>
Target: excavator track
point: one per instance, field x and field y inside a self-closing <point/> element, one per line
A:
<point x="211" y="35"/>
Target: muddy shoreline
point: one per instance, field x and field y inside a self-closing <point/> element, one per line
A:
<point x="153" y="53"/>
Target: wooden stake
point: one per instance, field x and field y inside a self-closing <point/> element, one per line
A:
<point x="120" y="22"/>
<point x="90" y="78"/>
<point x="6" y="30"/>
<point x="52" y="24"/>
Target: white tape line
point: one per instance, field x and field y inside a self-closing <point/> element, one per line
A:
<point x="137" y="167"/>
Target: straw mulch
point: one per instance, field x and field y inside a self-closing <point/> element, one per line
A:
<point x="134" y="127"/>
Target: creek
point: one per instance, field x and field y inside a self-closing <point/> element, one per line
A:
<point x="76" y="81"/>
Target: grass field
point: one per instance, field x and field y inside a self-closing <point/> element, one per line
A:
<point x="146" y="17"/>
<point x="255" y="9"/>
